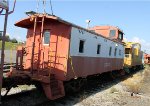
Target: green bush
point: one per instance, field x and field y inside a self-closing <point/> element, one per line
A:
<point x="14" y="40"/>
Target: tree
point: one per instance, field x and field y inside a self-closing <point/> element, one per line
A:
<point x="1" y="34"/>
<point x="7" y="38"/>
<point x="14" y="40"/>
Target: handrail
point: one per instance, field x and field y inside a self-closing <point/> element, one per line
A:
<point x="72" y="67"/>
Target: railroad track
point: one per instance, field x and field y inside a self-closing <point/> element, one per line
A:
<point x="7" y="66"/>
<point x="37" y="98"/>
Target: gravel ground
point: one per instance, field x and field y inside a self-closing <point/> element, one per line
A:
<point x="134" y="91"/>
<point x="19" y="89"/>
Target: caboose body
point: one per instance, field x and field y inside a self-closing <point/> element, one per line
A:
<point x="147" y="58"/>
<point x="57" y="51"/>
<point x="133" y="55"/>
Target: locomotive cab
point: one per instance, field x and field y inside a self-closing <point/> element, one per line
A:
<point x="133" y="55"/>
<point x="128" y="52"/>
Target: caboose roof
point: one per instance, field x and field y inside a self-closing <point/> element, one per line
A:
<point x="106" y="27"/>
<point x="147" y="55"/>
<point x="29" y="21"/>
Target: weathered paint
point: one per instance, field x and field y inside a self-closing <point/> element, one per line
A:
<point x="91" y="42"/>
<point x="89" y="62"/>
<point x="61" y="57"/>
<point x="49" y="59"/>
<point x="85" y="66"/>
<point x="52" y="56"/>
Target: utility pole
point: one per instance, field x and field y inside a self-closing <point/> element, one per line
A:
<point x="2" y="51"/>
<point x="4" y="6"/>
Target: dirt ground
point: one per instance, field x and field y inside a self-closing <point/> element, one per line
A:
<point x="134" y="91"/>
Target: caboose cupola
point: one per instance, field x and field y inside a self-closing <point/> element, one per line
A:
<point x="111" y="32"/>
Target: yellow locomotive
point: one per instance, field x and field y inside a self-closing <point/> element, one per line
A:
<point x="133" y="56"/>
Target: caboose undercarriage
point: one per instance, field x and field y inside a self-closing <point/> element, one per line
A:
<point x="52" y="87"/>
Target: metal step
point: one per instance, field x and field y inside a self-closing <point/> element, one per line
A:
<point x="56" y="92"/>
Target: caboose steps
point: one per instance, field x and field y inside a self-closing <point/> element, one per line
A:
<point x="54" y="89"/>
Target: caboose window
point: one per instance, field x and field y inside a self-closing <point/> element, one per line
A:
<point x="46" y="37"/>
<point x="115" y="53"/>
<point x="120" y="52"/>
<point x="81" y="46"/>
<point x="110" y="51"/>
<point x="112" y="33"/>
<point x="120" y="36"/>
<point x="98" y="49"/>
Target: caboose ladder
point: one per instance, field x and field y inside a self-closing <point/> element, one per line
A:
<point x="33" y="43"/>
<point x="57" y="86"/>
<point x="54" y="88"/>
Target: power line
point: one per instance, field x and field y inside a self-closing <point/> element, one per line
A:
<point x="44" y="5"/>
<point x="51" y="7"/>
<point x="37" y="8"/>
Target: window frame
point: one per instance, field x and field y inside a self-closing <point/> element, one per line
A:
<point x="45" y="31"/>
<point x="120" y="34"/>
<point x="99" y="49"/>
<point x="83" y="49"/>
<point x="110" y="50"/>
<point x="127" y="51"/>
<point x="119" y="52"/>
<point x="115" y="52"/>
<point x="114" y="33"/>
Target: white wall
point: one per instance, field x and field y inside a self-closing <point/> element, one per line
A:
<point x="90" y="46"/>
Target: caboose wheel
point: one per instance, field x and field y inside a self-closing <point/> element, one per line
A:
<point x="38" y="86"/>
<point x="75" y="85"/>
<point x="71" y="87"/>
<point x="112" y="75"/>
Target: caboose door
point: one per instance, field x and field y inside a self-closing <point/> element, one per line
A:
<point x="49" y="51"/>
<point x="45" y="52"/>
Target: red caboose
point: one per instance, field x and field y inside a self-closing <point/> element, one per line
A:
<point x="146" y="58"/>
<point x="57" y="51"/>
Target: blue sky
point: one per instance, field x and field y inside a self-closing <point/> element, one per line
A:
<point x="133" y="16"/>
